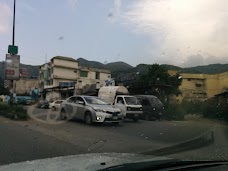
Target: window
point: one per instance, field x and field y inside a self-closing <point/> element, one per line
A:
<point x="79" y="99"/>
<point x="120" y="100"/>
<point x="198" y="85"/>
<point x="51" y="82"/>
<point x="109" y="76"/>
<point x="145" y="102"/>
<point x="83" y="74"/>
<point x="97" y="75"/>
<point x="58" y="102"/>
<point x="71" y="100"/>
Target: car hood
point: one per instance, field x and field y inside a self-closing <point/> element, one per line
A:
<point x="106" y="108"/>
<point x="88" y="162"/>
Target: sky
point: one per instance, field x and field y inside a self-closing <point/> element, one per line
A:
<point x="178" y="32"/>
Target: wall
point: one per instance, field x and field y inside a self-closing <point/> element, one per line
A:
<point x="52" y="95"/>
<point x="67" y="63"/>
<point x="25" y="86"/>
<point x="213" y="84"/>
<point x="65" y="73"/>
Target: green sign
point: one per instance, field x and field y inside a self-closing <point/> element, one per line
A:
<point x="12" y="49"/>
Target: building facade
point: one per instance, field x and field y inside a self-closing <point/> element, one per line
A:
<point x="201" y="86"/>
<point x="63" y="77"/>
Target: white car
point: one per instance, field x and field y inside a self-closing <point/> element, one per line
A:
<point x="55" y="105"/>
<point x="89" y="109"/>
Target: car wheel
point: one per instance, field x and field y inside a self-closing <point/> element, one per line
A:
<point x="88" y="118"/>
<point x="62" y="114"/>
<point x="53" y="108"/>
<point x="135" y="119"/>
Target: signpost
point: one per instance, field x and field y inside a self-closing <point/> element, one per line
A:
<point x="12" y="67"/>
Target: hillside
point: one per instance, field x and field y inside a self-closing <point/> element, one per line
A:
<point x="207" y="69"/>
<point x="113" y="67"/>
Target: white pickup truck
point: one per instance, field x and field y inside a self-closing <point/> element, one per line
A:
<point x="118" y="96"/>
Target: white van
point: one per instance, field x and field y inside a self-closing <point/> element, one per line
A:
<point x="118" y="96"/>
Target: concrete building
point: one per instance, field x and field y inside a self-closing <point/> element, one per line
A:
<point x="202" y="86"/>
<point x="25" y="86"/>
<point x="63" y="77"/>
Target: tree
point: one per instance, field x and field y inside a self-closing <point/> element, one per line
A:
<point x="161" y="83"/>
<point x="3" y="90"/>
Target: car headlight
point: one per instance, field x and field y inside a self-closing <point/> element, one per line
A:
<point x="99" y="110"/>
<point x="154" y="108"/>
<point x="128" y="108"/>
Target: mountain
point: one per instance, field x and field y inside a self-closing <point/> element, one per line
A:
<point x="113" y="67"/>
<point x="207" y="69"/>
<point x="92" y="64"/>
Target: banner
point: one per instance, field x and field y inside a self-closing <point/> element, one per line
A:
<point x="12" y="67"/>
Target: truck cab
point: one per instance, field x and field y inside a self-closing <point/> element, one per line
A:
<point x="130" y="106"/>
<point x="120" y="98"/>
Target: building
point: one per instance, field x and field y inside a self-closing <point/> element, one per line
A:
<point x="201" y="86"/>
<point x="63" y="77"/>
<point x="25" y="86"/>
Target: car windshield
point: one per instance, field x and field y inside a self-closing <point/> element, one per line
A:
<point x="131" y="101"/>
<point x="94" y="101"/>
<point x="135" y="76"/>
<point x="155" y="101"/>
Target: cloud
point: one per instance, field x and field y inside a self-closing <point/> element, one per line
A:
<point x="114" y="13"/>
<point x="72" y="4"/>
<point x="5" y="18"/>
<point x="182" y="28"/>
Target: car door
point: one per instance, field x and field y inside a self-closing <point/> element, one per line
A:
<point x="146" y="106"/>
<point x="70" y="107"/>
<point x="120" y="104"/>
<point x="80" y="111"/>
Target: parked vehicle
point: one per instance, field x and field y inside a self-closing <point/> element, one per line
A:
<point x="55" y="105"/>
<point x="25" y="100"/>
<point x="89" y="109"/>
<point x="43" y="104"/>
<point x="118" y="96"/>
<point x="153" y="108"/>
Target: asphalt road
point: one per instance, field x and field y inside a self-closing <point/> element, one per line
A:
<point x="41" y="137"/>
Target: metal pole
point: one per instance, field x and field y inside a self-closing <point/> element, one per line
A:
<point x="14" y="10"/>
<point x="13" y="39"/>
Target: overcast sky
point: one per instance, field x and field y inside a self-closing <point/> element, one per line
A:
<point x="178" y="32"/>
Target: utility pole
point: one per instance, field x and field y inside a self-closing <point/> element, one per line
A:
<point x="13" y="82"/>
<point x="14" y="11"/>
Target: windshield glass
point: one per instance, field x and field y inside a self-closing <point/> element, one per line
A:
<point x="158" y="67"/>
<point x="156" y="101"/>
<point x="131" y="101"/>
<point x="95" y="101"/>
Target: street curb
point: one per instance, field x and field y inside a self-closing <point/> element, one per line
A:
<point x="201" y="141"/>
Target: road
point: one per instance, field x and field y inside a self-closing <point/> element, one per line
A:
<point x="34" y="139"/>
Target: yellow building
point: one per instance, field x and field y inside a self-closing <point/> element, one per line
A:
<point x="63" y="77"/>
<point x="201" y="86"/>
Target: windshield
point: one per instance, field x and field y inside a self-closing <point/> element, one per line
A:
<point x="131" y="101"/>
<point x="135" y="76"/>
<point x="94" y="101"/>
<point x="156" y="101"/>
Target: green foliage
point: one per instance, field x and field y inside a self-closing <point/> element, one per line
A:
<point x="193" y="107"/>
<point x="13" y="112"/>
<point x="216" y="108"/>
<point x="174" y="111"/>
<point x="159" y="77"/>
